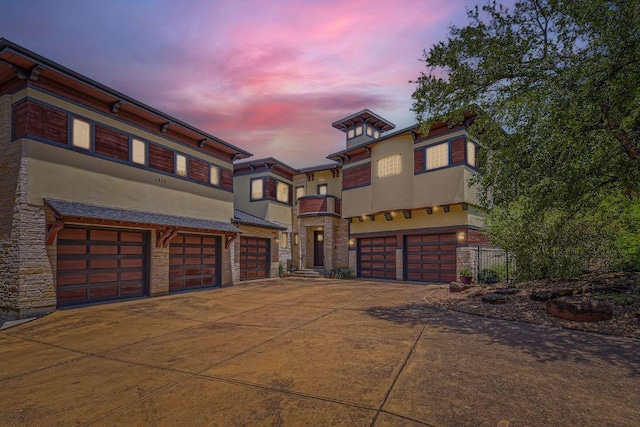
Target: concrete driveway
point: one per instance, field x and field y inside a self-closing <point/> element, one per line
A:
<point x="317" y="352"/>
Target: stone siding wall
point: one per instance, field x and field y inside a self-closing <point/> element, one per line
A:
<point x="159" y="274"/>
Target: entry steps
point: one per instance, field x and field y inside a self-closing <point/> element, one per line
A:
<point x="309" y="273"/>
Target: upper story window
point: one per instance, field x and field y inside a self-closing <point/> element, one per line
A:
<point x="376" y="134"/>
<point x="81" y="134"/>
<point x="138" y="151"/>
<point x="181" y="165"/>
<point x="359" y="131"/>
<point x="471" y="153"/>
<point x="351" y="133"/>
<point x="257" y="187"/>
<point x="214" y="175"/>
<point x="322" y="189"/>
<point x="389" y="166"/>
<point x="369" y="131"/>
<point x="438" y="156"/>
<point x="282" y="192"/>
<point x="299" y="192"/>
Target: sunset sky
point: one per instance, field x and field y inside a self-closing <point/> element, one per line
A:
<point x="267" y="76"/>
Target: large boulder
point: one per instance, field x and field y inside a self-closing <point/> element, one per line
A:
<point x="458" y="287"/>
<point x="580" y="311"/>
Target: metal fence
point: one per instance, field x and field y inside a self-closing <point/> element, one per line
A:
<point x="490" y="265"/>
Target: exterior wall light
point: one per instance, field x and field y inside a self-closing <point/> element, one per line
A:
<point x="352" y="242"/>
<point x="462" y="236"/>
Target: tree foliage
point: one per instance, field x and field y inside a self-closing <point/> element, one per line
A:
<point x="557" y="87"/>
<point x="559" y="82"/>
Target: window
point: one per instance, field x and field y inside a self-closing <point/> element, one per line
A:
<point x="350" y="133"/>
<point x="369" y="131"/>
<point x="284" y="242"/>
<point x="390" y="166"/>
<point x="214" y="175"/>
<point x="359" y="131"/>
<point x="256" y="189"/>
<point x="471" y="153"/>
<point x="322" y="189"/>
<point x="299" y="192"/>
<point x="181" y="165"/>
<point x="376" y="134"/>
<point x="438" y="156"/>
<point x="138" y="151"/>
<point x="282" y="192"/>
<point x="296" y="239"/>
<point x="81" y="134"/>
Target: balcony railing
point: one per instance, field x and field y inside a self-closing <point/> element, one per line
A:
<point x="319" y="205"/>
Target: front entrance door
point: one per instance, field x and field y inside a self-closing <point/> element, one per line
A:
<point x="318" y="248"/>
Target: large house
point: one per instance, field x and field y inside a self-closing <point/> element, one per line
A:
<point x="103" y="198"/>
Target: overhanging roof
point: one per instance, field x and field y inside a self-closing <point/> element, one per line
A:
<point x="18" y="60"/>
<point x="241" y="217"/>
<point x="65" y="209"/>
<point x="364" y="116"/>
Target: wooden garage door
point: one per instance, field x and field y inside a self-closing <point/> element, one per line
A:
<point x="254" y="258"/>
<point x="377" y="257"/>
<point x="430" y="257"/>
<point x="194" y="262"/>
<point x="99" y="264"/>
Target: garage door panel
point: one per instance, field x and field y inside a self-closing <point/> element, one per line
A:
<point x="377" y="257"/>
<point x="430" y="257"/>
<point x="96" y="264"/>
<point x="70" y="296"/>
<point x="254" y="257"/>
<point x="72" y="279"/>
<point x="193" y="262"/>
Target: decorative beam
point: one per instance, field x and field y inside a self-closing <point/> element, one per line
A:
<point x="406" y="213"/>
<point x="165" y="126"/>
<point x="387" y="216"/>
<point x="414" y="135"/>
<point x="31" y="74"/>
<point x="372" y="217"/>
<point x="464" y="206"/>
<point x="116" y="106"/>
<point x="266" y="165"/>
<point x="228" y="238"/>
<point x="429" y="210"/>
<point x="368" y="150"/>
<point x="165" y="237"/>
<point x="445" y="208"/>
<point x="346" y="156"/>
<point x="202" y="142"/>
<point x="252" y="168"/>
<point x="360" y="219"/>
<point x="53" y="229"/>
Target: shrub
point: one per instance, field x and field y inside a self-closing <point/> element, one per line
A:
<point x="343" y="273"/>
<point x="465" y="272"/>
<point x="488" y="276"/>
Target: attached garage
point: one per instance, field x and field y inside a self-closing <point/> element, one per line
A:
<point x="194" y="262"/>
<point x="254" y="258"/>
<point x="430" y="257"/>
<point x="377" y="257"/>
<point x="96" y="264"/>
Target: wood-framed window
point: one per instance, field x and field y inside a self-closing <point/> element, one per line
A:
<point x="323" y="189"/>
<point x="282" y="192"/>
<point x="181" y="165"/>
<point x="471" y="153"/>
<point x="80" y="133"/>
<point x="438" y="156"/>
<point x="214" y="175"/>
<point x="138" y="151"/>
<point x="257" y="189"/>
<point x="284" y="242"/>
<point x="389" y="166"/>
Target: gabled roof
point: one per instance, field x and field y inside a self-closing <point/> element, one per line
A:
<point x="29" y="66"/>
<point x="241" y="217"/>
<point x="364" y="116"/>
<point x="63" y="208"/>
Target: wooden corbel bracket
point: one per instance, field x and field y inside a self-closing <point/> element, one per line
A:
<point x="53" y="228"/>
<point x="165" y="237"/>
<point x="229" y="238"/>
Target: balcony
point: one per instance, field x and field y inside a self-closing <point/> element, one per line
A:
<point x="319" y="205"/>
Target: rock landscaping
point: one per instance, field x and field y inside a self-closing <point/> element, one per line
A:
<point x="607" y="303"/>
